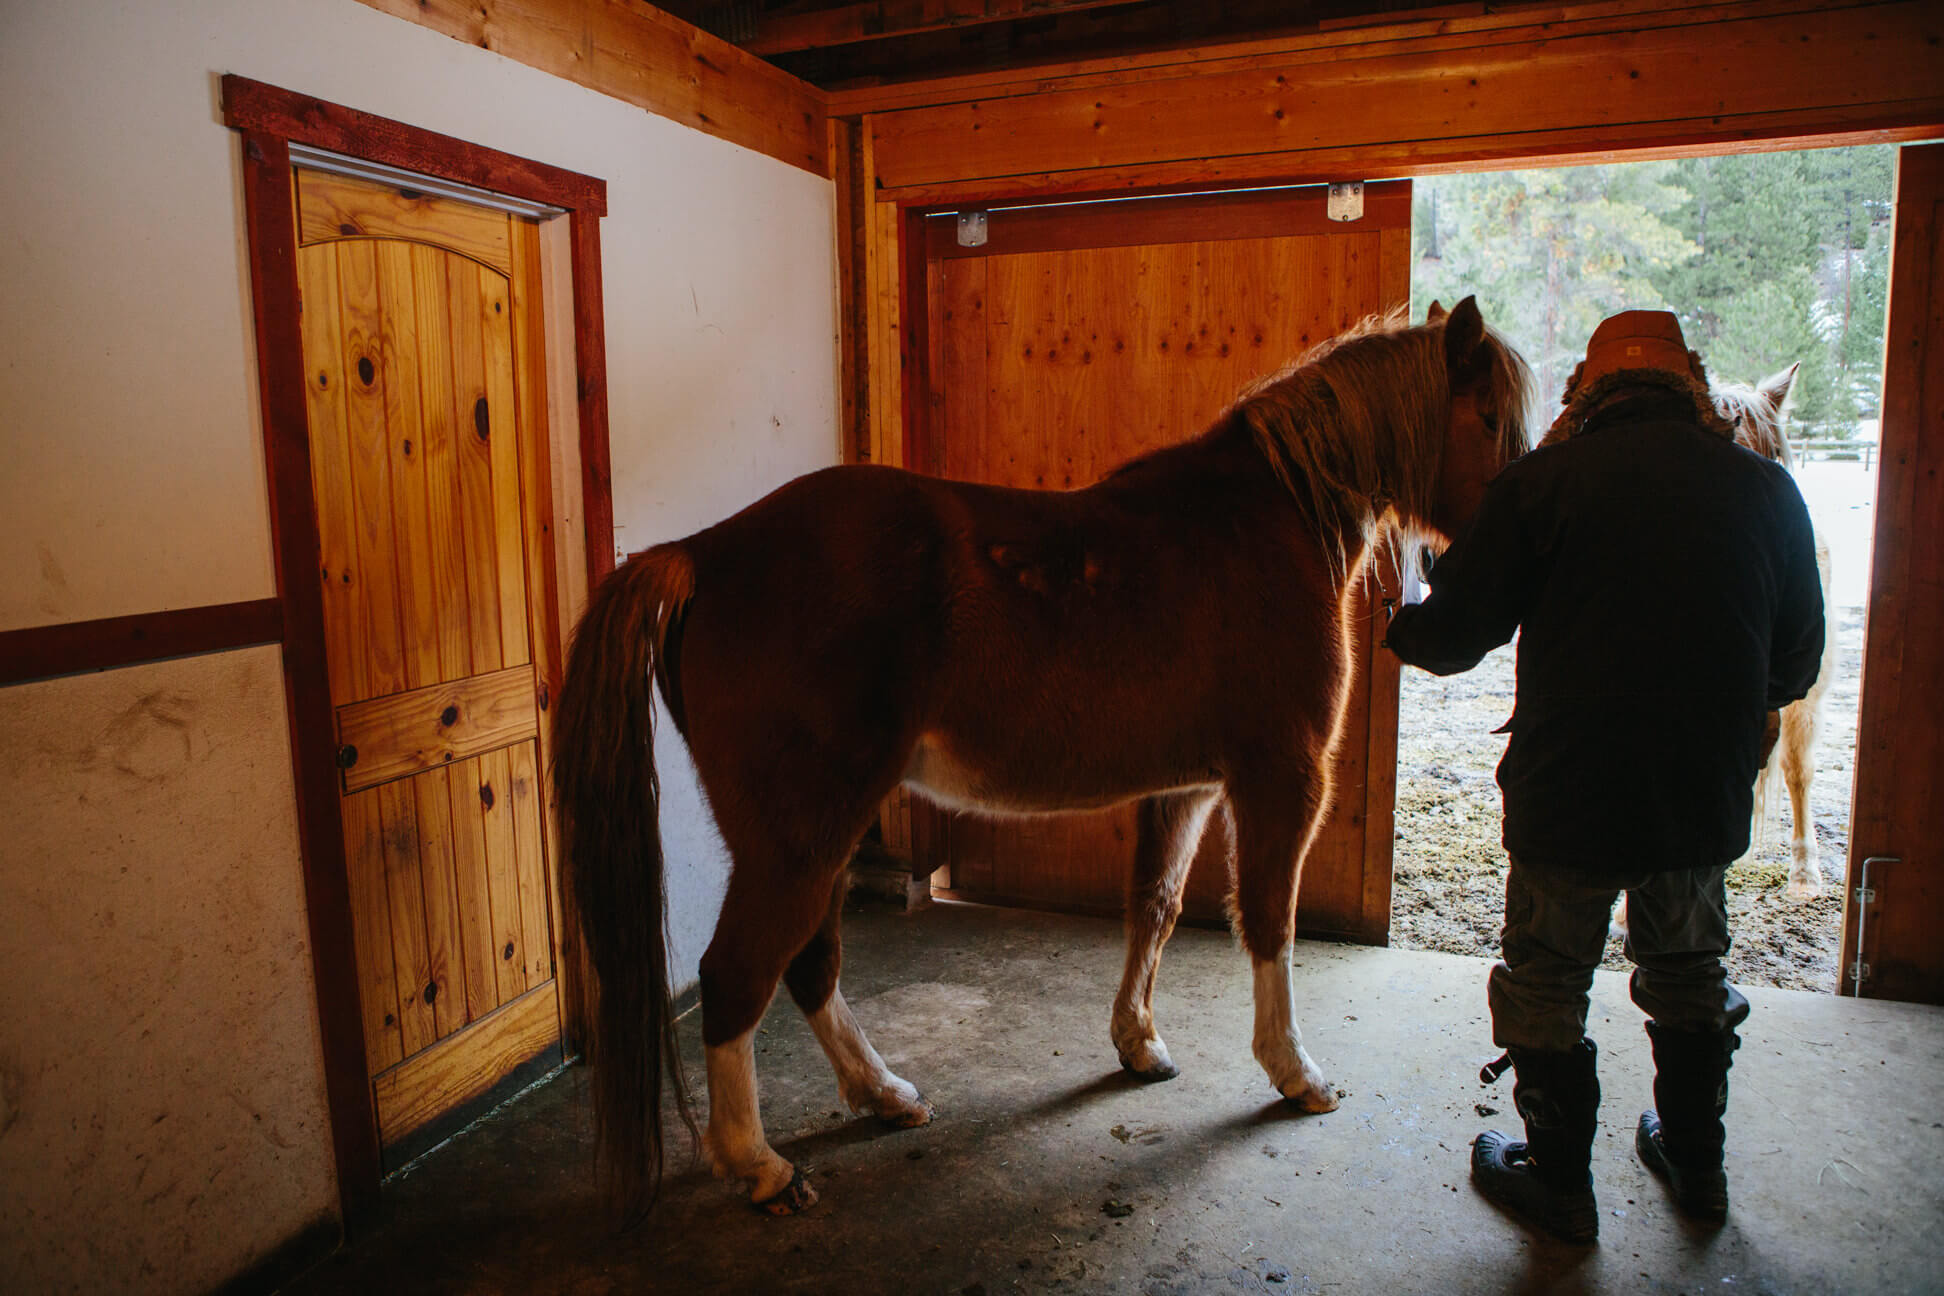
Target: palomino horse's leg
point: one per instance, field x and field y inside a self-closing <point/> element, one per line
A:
<point x="1170" y="829"/>
<point x="1273" y="830"/>
<point x="1798" y="761"/>
<point x="862" y="1078"/>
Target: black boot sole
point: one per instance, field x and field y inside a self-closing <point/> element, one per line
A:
<point x="1501" y="1173"/>
<point x="1698" y="1194"/>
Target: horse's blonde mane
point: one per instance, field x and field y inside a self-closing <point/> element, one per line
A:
<point x="1758" y="422"/>
<point x="1355" y="427"/>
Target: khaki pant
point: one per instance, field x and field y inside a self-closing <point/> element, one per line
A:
<point x="1555" y="934"/>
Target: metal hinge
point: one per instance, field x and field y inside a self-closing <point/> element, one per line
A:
<point x="972" y="228"/>
<point x="1346" y="201"/>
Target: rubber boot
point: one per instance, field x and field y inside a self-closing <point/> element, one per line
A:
<point x="1682" y="1138"/>
<point x="1547" y="1179"/>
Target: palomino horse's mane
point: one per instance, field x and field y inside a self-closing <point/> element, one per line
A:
<point x="1355" y="427"/>
<point x="1757" y="420"/>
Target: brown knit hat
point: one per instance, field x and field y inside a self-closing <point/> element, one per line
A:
<point x="1636" y="339"/>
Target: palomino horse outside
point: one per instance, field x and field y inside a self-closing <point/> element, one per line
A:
<point x="1756" y="413"/>
<point x="1175" y="633"/>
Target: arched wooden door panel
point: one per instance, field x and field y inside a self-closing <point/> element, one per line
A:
<point x="1081" y="335"/>
<point x="428" y="464"/>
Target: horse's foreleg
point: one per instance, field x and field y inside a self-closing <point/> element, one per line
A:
<point x="1273" y="831"/>
<point x="862" y="1078"/>
<point x="1170" y="829"/>
<point x="1798" y="761"/>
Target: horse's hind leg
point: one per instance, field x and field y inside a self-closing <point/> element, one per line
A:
<point x="1275" y="821"/>
<point x="1170" y="829"/>
<point x="862" y="1078"/>
<point x="771" y="912"/>
<point x="1798" y="761"/>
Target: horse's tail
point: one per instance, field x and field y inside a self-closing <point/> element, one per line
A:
<point x="608" y="798"/>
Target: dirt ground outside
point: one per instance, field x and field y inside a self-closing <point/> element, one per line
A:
<point x="1448" y="891"/>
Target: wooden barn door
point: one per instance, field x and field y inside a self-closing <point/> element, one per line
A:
<point x="1078" y="336"/>
<point x="1895" y="907"/>
<point x="421" y="342"/>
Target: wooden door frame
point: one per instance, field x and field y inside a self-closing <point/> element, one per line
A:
<point x="1910" y="695"/>
<point x="270" y="120"/>
<point x="882" y="234"/>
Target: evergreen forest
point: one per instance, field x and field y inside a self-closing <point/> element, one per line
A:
<point x="1767" y="259"/>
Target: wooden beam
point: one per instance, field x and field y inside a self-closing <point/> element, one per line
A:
<point x="72" y="647"/>
<point x="1871" y="67"/>
<point x="880" y="19"/>
<point x="1412" y="33"/>
<point x="640" y="55"/>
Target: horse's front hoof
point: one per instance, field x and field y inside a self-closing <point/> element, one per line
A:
<point x="1150" y="1062"/>
<point x="1803" y="888"/>
<point x="1313" y="1102"/>
<point x="797" y="1196"/>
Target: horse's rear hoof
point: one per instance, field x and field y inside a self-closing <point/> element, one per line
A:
<point x="908" y="1115"/>
<point x="797" y="1196"/>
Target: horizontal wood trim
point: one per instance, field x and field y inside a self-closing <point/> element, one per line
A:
<point x="252" y="105"/>
<point x="406" y="733"/>
<point x="79" y="646"/>
<point x="1362" y="115"/>
<point x="332" y="207"/>
<point x="642" y="56"/>
<point x="463" y="1066"/>
<point x="1196" y="219"/>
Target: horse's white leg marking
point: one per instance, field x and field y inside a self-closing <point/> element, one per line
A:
<point x="734" y="1141"/>
<point x="865" y="1082"/>
<point x="1151" y="913"/>
<point x="1279" y="1044"/>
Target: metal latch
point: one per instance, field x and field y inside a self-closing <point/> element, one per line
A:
<point x="1346" y="201"/>
<point x="1859" y="971"/>
<point x="972" y="228"/>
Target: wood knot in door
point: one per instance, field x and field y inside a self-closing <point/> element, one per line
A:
<point x="486" y="795"/>
<point x="481" y="424"/>
<point x="449" y="717"/>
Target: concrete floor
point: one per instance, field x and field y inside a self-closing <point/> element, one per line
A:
<point x="1836" y="1146"/>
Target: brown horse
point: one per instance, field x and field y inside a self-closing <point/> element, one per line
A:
<point x="1174" y="633"/>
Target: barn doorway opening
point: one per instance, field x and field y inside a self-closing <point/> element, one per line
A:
<point x="1770" y="260"/>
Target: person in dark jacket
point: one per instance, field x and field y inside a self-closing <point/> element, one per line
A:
<point x="1663" y="584"/>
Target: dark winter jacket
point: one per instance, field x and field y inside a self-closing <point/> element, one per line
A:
<point x="1663" y="581"/>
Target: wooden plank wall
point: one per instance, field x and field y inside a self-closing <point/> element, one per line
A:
<point x="640" y="55"/>
<point x="1553" y="81"/>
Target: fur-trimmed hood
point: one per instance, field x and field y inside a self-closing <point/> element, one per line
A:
<point x="1582" y="402"/>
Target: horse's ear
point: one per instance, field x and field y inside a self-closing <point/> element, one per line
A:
<point x="1463" y="343"/>
<point x="1436" y="313"/>
<point x="1775" y="388"/>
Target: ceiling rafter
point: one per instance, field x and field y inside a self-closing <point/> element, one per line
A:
<point x="882" y="19"/>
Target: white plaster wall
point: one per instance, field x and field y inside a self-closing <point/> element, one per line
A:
<point x="162" y="1114"/>
<point x="131" y="479"/>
